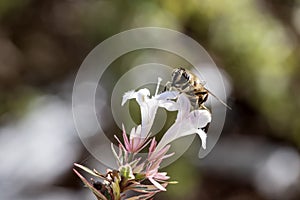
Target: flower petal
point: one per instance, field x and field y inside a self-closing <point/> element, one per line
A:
<point x="188" y="125"/>
<point x="161" y="176"/>
<point x="200" y="118"/>
<point x="120" y="143"/>
<point x="135" y="132"/>
<point x="202" y="136"/>
<point x="156" y="184"/>
<point x="184" y="107"/>
<point x="148" y="112"/>
<point x="142" y="96"/>
<point x="158" y="154"/>
<point x="128" y="95"/>
<point x="149" y="106"/>
<point x="152" y="145"/>
<point x="168" y="105"/>
<point x="168" y="155"/>
<point x="126" y="142"/>
<point x="167" y="95"/>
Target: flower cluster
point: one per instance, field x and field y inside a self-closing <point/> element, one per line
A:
<point x="141" y="174"/>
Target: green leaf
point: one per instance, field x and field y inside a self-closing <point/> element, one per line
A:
<point x="140" y="176"/>
<point x="126" y="172"/>
<point x="116" y="190"/>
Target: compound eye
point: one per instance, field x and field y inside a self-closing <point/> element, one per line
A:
<point x="175" y="71"/>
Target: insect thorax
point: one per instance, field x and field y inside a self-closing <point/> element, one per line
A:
<point x="187" y="83"/>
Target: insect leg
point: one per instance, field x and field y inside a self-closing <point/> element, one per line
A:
<point x="167" y="86"/>
<point x="203" y="107"/>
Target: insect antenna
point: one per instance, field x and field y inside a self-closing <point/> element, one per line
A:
<point x="220" y="100"/>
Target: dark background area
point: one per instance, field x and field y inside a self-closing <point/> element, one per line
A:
<point x="43" y="43"/>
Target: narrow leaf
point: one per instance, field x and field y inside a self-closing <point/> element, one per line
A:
<point x="88" y="170"/>
<point x="90" y="186"/>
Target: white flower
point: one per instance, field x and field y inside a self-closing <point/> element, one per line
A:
<point x="149" y="105"/>
<point x="186" y="123"/>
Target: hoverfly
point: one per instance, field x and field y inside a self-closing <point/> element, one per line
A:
<point x="188" y="83"/>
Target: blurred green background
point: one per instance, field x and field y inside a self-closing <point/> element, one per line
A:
<point x="42" y="44"/>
